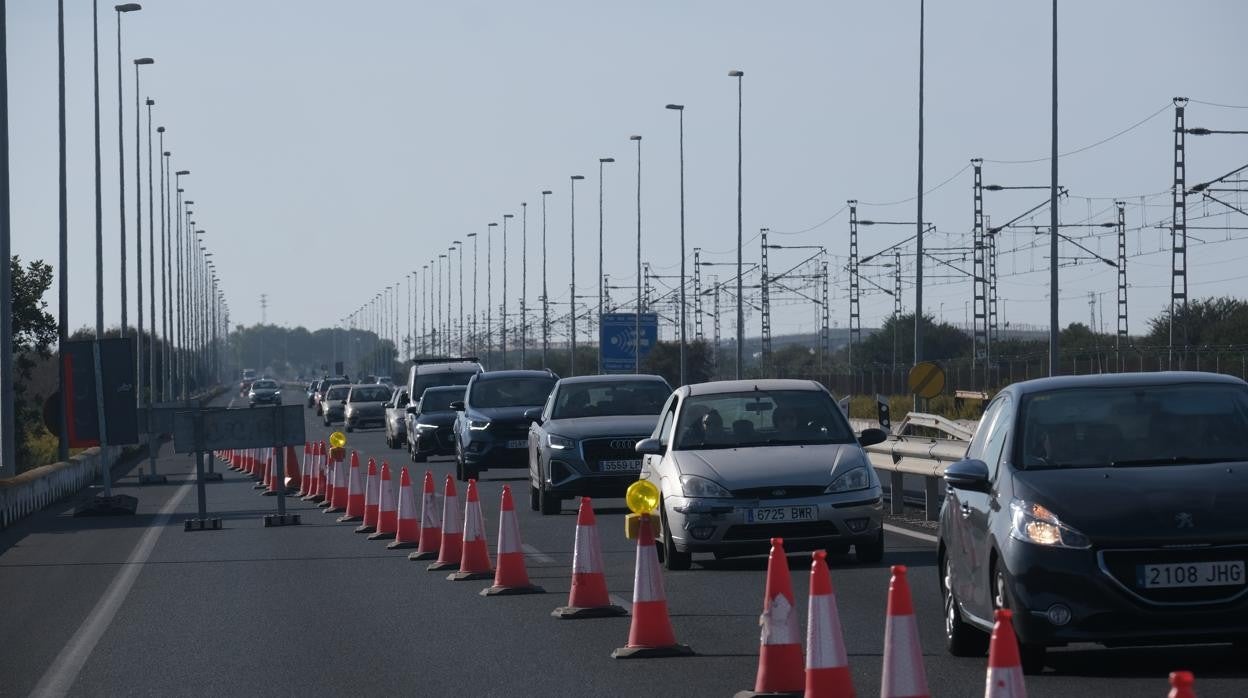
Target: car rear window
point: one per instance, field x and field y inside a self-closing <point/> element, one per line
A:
<point x="267" y="385"/>
<point x="511" y="392"/>
<point x="1134" y="426"/>
<point x="378" y="393"/>
<point x="338" y="392"/>
<point x="440" y="400"/>
<point x="761" y="418"/>
<point x="610" y="398"/>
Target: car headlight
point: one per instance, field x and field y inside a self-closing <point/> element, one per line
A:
<point x="478" y="424"/>
<point x="694" y="486"/>
<point x="428" y="427"/>
<point x="1034" y="523"/>
<point x="855" y="479"/>
<point x="559" y="442"/>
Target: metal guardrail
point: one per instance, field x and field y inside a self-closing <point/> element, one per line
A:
<point x="922" y="456"/>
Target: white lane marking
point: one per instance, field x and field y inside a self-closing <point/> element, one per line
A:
<point x="913" y="534"/>
<point x="626" y="605"/>
<point x="537" y="554"/>
<point x="61" y="675"/>
<point x="231" y="405"/>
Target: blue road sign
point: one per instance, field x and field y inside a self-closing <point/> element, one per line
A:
<point x="617" y="340"/>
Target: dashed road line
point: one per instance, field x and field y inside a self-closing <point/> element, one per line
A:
<point x="537" y="554"/>
<point x="913" y="534"/>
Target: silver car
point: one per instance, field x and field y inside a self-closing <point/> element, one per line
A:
<point x="366" y="406"/>
<point x="264" y="392"/>
<point x="396" y="419"/>
<point x="334" y="403"/>
<point x="740" y="462"/>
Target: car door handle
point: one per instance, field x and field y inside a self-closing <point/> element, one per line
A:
<point x="966" y="510"/>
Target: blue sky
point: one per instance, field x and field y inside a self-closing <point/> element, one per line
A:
<point x="334" y="145"/>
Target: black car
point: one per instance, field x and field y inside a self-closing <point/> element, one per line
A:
<point x="583" y="441"/>
<point x="433" y="421"/>
<point x="491" y="430"/>
<point x="1107" y="509"/>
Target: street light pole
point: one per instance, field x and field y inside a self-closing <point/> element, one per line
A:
<point x="601" y="162"/>
<point x="503" y="330"/>
<point x="489" y="287"/>
<point x="138" y="232"/>
<point x="1053" y="285"/>
<point x="918" y="240"/>
<point x="524" y="283"/>
<point x="460" y="245"/>
<point x="62" y="446"/>
<point x="151" y="264"/>
<point x="121" y="160"/>
<point x="572" y="297"/>
<point x="99" y="203"/>
<point x="476" y="346"/>
<point x="545" y="297"/>
<point x="637" y="316"/>
<point x="8" y="423"/>
<point x="740" y="239"/>
<point x="680" y="109"/>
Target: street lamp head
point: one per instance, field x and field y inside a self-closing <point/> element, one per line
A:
<point x="606" y="159"/>
<point x="509" y="215"/>
<point x="457" y="242"/>
<point x="677" y="107"/>
<point x="492" y="225"/>
<point x="144" y="61"/>
<point x="472" y="235"/>
<point x="576" y="177"/>
<point x="161" y="129"/>
<point x="634" y="138"/>
<point x="128" y="7"/>
<point x="993" y="187"/>
<point x="150" y="102"/>
<point x="546" y="192"/>
<point x="736" y="73"/>
<point x="182" y="172"/>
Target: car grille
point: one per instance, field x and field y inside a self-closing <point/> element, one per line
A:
<point x="509" y="431"/>
<point x="797" y="529"/>
<point x="620" y="448"/>
<point x="1123" y="565"/>
<point x="781" y="492"/>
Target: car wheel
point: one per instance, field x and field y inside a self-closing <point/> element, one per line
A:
<point x="550" y="503"/>
<point x="350" y="428"/>
<point x="1031" y="656"/>
<point x="672" y="558"/>
<point x="961" y="638"/>
<point x="870" y="552"/>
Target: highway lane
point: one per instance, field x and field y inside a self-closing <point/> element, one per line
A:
<point x="318" y="609"/>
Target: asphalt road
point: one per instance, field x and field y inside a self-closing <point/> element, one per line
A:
<point x="317" y="609"/>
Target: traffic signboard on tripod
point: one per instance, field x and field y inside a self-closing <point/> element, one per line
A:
<point x="618" y="341"/>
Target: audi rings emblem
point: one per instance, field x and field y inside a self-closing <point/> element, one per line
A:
<point x="623" y="444"/>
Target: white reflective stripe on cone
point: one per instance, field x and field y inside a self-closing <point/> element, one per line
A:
<point x="1005" y="682"/>
<point x="780" y="623"/>
<point x="509" y="533"/>
<point x="429" y="513"/>
<point x="372" y="495"/>
<point x="587" y="555"/>
<point x="903" y="659"/>
<point x="647" y="581"/>
<point x="386" y="494"/>
<point x="407" y="504"/>
<point x="450" y="515"/>
<point x="474" y="525"/>
<point x="824" y="641"/>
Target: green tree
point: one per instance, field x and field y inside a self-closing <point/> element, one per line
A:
<point x="34" y="331"/>
<point x="1202" y="321"/>
<point x="664" y="360"/>
<point x="941" y="341"/>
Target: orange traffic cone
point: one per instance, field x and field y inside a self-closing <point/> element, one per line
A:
<point x="272" y="481"/>
<point x="317" y="474"/>
<point x="588" y="598"/>
<point x="781" y="668"/>
<point x="430" y="532"/>
<point x="387" y="515"/>
<point x="355" y="492"/>
<point x="1005" y="670"/>
<point x="266" y="472"/>
<point x="451" y="545"/>
<point x="305" y="473"/>
<point x="827" y="668"/>
<point x="510" y="577"/>
<point x="1181" y="683"/>
<point x="406" y="533"/>
<point x="294" y="478"/>
<point x="340" y="489"/>
<point x="326" y="491"/>
<point x="371" y="504"/>
<point x="903" y="657"/>
<point x="474" y="562"/>
<point x="650" y="634"/>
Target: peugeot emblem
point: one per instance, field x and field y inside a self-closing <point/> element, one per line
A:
<point x="1184" y="520"/>
<point x="779" y="493"/>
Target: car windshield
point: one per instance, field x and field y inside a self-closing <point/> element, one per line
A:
<point x="440" y="400"/>
<point x="371" y="393"/>
<point x="607" y="399"/>
<point x="761" y="418"/>
<point x="442" y="379"/>
<point x="338" y="392"/>
<point x="511" y="392"/>
<point x="266" y="385"/>
<point x="1135" y="425"/>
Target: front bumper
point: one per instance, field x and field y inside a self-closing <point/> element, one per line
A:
<point x="434" y="442"/>
<point x="721" y="525"/>
<point x="491" y="452"/>
<point x="1109" y="610"/>
<point x="568" y="478"/>
<point x="359" y="421"/>
<point x="332" y="414"/>
<point x="265" y="399"/>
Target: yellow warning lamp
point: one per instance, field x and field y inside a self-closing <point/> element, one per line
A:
<point x="642" y="497"/>
<point x="337" y="439"/>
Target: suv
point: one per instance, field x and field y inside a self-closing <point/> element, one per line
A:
<point x="434" y="422"/>
<point x="492" y="430"/>
<point x="366" y="405"/>
<point x="438" y="372"/>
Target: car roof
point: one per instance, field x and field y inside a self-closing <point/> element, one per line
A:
<point x="742" y="386"/>
<point x="516" y="373"/>
<point x="1110" y="380"/>
<point x="449" y="367"/>
<point x="444" y="389"/>
<point x="613" y="378"/>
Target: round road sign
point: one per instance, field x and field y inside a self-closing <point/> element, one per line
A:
<point x="927" y="379"/>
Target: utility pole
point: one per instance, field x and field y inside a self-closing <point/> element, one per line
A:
<point x="545" y="297"/>
<point x="716" y="324"/>
<point x="264" y="308"/>
<point x="697" y="294"/>
<point x="979" y="273"/>
<point x="1121" y="335"/>
<point x="8" y="424"/>
<point x="918" y="238"/>
<point x="1178" y="228"/>
<point x="896" y="302"/>
<point x="766" y="301"/>
<point x="855" y="318"/>
<point x="825" y="356"/>
<point x="524" y="284"/>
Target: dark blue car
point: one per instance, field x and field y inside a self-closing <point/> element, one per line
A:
<point x="491" y="430"/>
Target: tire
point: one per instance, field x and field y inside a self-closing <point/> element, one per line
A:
<point x="870" y="552"/>
<point x="350" y="428"/>
<point x="550" y="504"/>
<point x="1031" y="656"/>
<point x="961" y="638"/>
<point x="535" y="502"/>
<point x="671" y="558"/>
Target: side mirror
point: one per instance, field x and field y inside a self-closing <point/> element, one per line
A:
<point x="533" y="414"/>
<point x="649" y="447"/>
<point x="457" y="406"/>
<point x="970" y="474"/>
<point x="412" y="409"/>
<point x="872" y="436"/>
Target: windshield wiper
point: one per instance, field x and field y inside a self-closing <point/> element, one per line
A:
<point x="1174" y="460"/>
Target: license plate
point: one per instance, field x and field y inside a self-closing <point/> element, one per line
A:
<point x="779" y="514"/>
<point x="615" y="466"/>
<point x="518" y="443"/>
<point x="1191" y="574"/>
